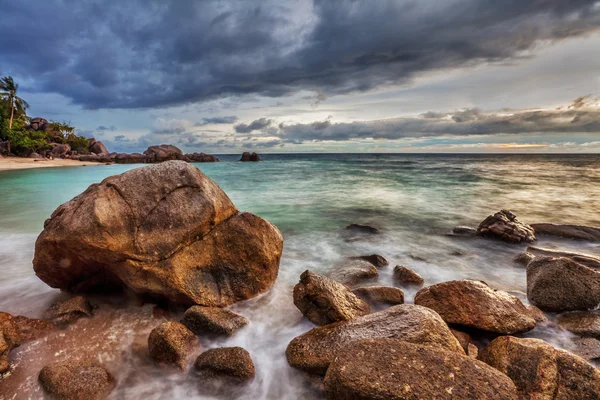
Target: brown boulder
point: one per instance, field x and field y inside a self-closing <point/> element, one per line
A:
<point x="408" y="277"/>
<point x="504" y="226"/>
<point x="172" y="343"/>
<point x="392" y="369"/>
<point x="524" y="258"/>
<point x="33" y="329"/>
<point x="133" y="158"/>
<point x="353" y="272"/>
<point x="214" y="320"/>
<point x="247" y="156"/>
<point x="10" y="337"/>
<point x="376" y="295"/>
<point x="163" y="152"/>
<point x="474" y="304"/>
<point x="315" y="349"/>
<point x="561" y="284"/>
<point x="568" y="231"/>
<point x="113" y="235"/>
<point x="60" y="150"/>
<point x="76" y="380"/>
<point x="542" y="372"/>
<point x="324" y="301"/>
<point x="375" y="259"/>
<point x="200" y="157"/>
<point x="98" y="148"/>
<point x="587" y="348"/>
<point x="66" y="312"/>
<point x="584" y="259"/>
<point x="230" y="362"/>
<point x="582" y="323"/>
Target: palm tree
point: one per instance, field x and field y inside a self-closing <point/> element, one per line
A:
<point x="10" y="88"/>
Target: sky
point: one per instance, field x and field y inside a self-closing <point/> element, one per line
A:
<point x="312" y="75"/>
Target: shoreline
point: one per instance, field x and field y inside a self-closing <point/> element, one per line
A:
<point x="19" y="163"/>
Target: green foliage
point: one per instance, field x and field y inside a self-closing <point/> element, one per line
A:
<point x="77" y="143"/>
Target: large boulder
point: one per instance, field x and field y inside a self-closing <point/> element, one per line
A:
<point x="200" y="157"/>
<point x="229" y="362"/>
<point x="133" y="158"/>
<point x="76" y="380"/>
<point x="473" y="304"/>
<point x="568" y="231"/>
<point x="583" y="323"/>
<point x="10" y="337"/>
<point x="60" y="150"/>
<point x="213" y="320"/>
<point x="561" y="284"/>
<point x="396" y="370"/>
<point x="504" y="226"/>
<point x="314" y="350"/>
<point x="165" y="230"/>
<point x="542" y="372"/>
<point x="324" y="301"/>
<point x="98" y="148"/>
<point x="247" y="156"/>
<point x="353" y="272"/>
<point x="584" y="259"/>
<point x="172" y="343"/>
<point x="163" y="152"/>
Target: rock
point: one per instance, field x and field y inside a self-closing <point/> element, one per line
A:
<point x="200" y="157"/>
<point x="524" y="258"/>
<point x="540" y="371"/>
<point x="393" y="369"/>
<point x="231" y="362"/>
<point x="568" y="231"/>
<point x="560" y="284"/>
<point x="113" y="235"/>
<point x="537" y="314"/>
<point x="357" y="228"/>
<point x="582" y="323"/>
<point x="406" y="276"/>
<point x="504" y="226"/>
<point x="463" y="338"/>
<point x="133" y="158"/>
<point x="354" y="272"/>
<point x="587" y="348"/>
<point x="377" y="295"/>
<point x="163" y="152"/>
<point x="250" y="157"/>
<point x="91" y="142"/>
<point x="90" y="158"/>
<point x="375" y="259"/>
<point x="35" y="155"/>
<point x="213" y="320"/>
<point x="172" y="343"/>
<point x="98" y="148"/>
<point x="315" y="349"/>
<point x="76" y="380"/>
<point x="32" y="329"/>
<point x="584" y="259"/>
<point x="63" y="313"/>
<point x="324" y="301"/>
<point x="473" y="304"/>
<point x="60" y="150"/>
<point x="472" y="351"/>
<point x="464" y="230"/>
<point x="10" y="337"/>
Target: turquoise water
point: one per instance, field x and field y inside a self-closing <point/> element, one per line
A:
<point x="414" y="199"/>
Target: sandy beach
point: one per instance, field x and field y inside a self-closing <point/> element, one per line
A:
<point x="14" y="163"/>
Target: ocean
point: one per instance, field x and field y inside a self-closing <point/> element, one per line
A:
<point x="415" y="200"/>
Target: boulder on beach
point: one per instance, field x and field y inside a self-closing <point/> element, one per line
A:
<point x="10" y="337"/>
<point x="114" y="235"/>
<point x="542" y="372"/>
<point x="561" y="284"/>
<point x="247" y="156"/>
<point x="213" y="320"/>
<point x="324" y="301"/>
<point x="582" y="323"/>
<point x="568" y="231"/>
<point x="473" y="304"/>
<point x="406" y="276"/>
<point x="583" y="259"/>
<point x="98" y="148"/>
<point x="354" y="272"/>
<point x="314" y="350"/>
<point x="132" y="158"/>
<point x="393" y="369"/>
<point x="229" y="362"/>
<point x="380" y="295"/>
<point x="163" y="152"/>
<point x="504" y="226"/>
<point x="172" y="343"/>
<point x="377" y="260"/>
<point x="60" y="150"/>
<point x="66" y="312"/>
<point x="76" y="380"/>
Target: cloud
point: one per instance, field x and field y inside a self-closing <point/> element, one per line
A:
<point x="134" y="54"/>
<point x="105" y="128"/>
<point x="255" y="125"/>
<point x="217" y="120"/>
<point x="172" y="126"/>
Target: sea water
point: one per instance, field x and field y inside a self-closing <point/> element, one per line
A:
<point x="415" y="200"/>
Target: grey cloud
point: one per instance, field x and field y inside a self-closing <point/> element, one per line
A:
<point x="255" y="125"/>
<point x="106" y="128"/>
<point x="217" y="120"/>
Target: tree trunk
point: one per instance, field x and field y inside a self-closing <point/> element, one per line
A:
<point x="12" y="112"/>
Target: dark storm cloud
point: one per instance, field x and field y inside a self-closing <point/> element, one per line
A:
<point x="151" y="53"/>
<point x="256" y="125"/>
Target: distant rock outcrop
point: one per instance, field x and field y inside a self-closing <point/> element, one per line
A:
<point x="247" y="156"/>
<point x="163" y="152"/>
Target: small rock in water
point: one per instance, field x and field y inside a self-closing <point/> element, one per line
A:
<point x="504" y="226"/>
<point x="540" y="371"/>
<point x="76" y="380"/>
<point x="172" y="343"/>
<point x="569" y="231"/>
<point x="247" y="156"/>
<point x="473" y="304"/>
<point x="462" y="230"/>
<point x="375" y="259"/>
<point x="231" y="362"/>
<point x="377" y="295"/>
<point x="524" y="258"/>
<point x="323" y="300"/>
<point x="583" y="259"/>
<point x="408" y="277"/>
<point x="10" y="337"/>
<point x="33" y="329"/>
<point x="561" y="284"/>
<point x="392" y="369"/>
<point x="213" y="320"/>
<point x="353" y="272"/>
<point x="582" y="323"/>
<point x="358" y="228"/>
<point x="587" y="348"/>
<point x="63" y="313"/>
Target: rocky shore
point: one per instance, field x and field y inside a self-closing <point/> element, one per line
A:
<point x="459" y="339"/>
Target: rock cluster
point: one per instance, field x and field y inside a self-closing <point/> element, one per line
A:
<point x="504" y="226"/>
<point x="247" y="156"/>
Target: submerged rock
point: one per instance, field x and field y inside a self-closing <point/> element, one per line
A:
<point x="542" y="372"/>
<point x="568" y="231"/>
<point x="583" y="259"/>
<point x="464" y="230"/>
<point x="66" y="312"/>
<point x="358" y="228"/>
<point x="33" y="329"/>
<point x="582" y="323"/>
<point x="354" y="272"/>
<point x="76" y="380"/>
<point x="473" y="304"/>
<point x="377" y="295"/>
<point x="315" y="349"/>
<point x="408" y="277"/>
<point x="247" y="156"/>
<point x="504" y="226"/>
<point x="561" y="284"/>
<point x="165" y="230"/>
<point x="10" y="337"/>
<point x="172" y="343"/>
<point x="524" y="258"/>
<point x="231" y="362"/>
<point x="324" y="301"/>
<point x="393" y="369"/>
<point x="377" y="260"/>
<point x="214" y="320"/>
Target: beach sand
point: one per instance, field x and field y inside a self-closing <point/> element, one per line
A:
<point x="14" y="163"/>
